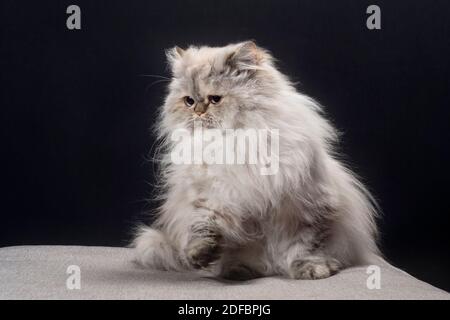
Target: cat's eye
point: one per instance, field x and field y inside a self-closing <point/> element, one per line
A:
<point x="214" y="99"/>
<point x="188" y="101"/>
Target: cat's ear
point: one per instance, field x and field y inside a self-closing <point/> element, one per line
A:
<point x="174" y="54"/>
<point x="246" y="56"/>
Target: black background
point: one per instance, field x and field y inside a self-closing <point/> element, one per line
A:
<point x="76" y="114"/>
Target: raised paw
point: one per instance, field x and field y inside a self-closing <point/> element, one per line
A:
<point x="203" y="251"/>
<point x="314" y="268"/>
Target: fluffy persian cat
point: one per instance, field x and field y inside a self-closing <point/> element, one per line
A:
<point x="307" y="221"/>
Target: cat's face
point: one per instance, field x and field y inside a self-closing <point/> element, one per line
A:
<point x="216" y="86"/>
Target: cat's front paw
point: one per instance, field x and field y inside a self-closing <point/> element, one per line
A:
<point x="203" y="251"/>
<point x="314" y="268"/>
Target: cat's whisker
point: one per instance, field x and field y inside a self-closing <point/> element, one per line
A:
<point x="154" y="76"/>
<point x="155" y="82"/>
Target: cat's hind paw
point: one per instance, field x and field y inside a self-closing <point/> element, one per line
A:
<point x="312" y="268"/>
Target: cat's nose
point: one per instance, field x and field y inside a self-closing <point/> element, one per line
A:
<point x="200" y="108"/>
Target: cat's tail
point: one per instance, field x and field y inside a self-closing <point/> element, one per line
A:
<point x="152" y="250"/>
<point x="355" y="235"/>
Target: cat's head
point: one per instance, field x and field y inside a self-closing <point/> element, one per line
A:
<point x="218" y="86"/>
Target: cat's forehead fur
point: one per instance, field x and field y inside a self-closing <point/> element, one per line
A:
<point x="195" y="69"/>
<point x="200" y="60"/>
<point x="199" y="70"/>
<point x="244" y="55"/>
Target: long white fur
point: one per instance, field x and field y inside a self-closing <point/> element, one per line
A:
<point x="271" y="220"/>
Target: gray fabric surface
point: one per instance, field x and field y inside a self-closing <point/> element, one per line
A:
<point x="39" y="272"/>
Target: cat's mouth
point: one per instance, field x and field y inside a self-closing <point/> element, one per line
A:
<point x="207" y="122"/>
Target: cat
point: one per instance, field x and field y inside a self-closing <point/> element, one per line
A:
<point x="308" y="221"/>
